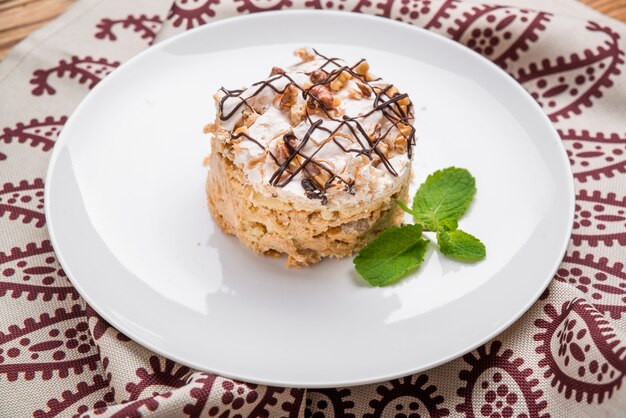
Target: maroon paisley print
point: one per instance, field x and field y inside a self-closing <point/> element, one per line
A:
<point x="424" y="13"/>
<point x="497" y="385"/>
<point x="200" y="395"/>
<point x="599" y="219"/>
<point x="581" y="353"/>
<point x="34" y="274"/>
<point x="501" y="34"/>
<point x="345" y="5"/>
<point x="595" y="156"/>
<point x="465" y="18"/>
<point x="162" y="373"/>
<point x="136" y="409"/>
<point x="603" y="282"/>
<point x="36" y="133"/>
<point x="146" y="27"/>
<point x="23" y="201"/>
<point x="72" y="401"/>
<point x="191" y="13"/>
<point x="87" y="70"/>
<point x="52" y="345"/>
<point x="254" y="6"/>
<point x="567" y="84"/>
<point x="406" y="396"/>
<point x="323" y="403"/>
<point x="241" y="399"/>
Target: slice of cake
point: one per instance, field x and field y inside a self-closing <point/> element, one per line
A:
<point x="309" y="161"/>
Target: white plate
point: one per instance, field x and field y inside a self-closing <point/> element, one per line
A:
<point x="127" y="213"/>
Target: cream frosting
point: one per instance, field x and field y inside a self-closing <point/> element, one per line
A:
<point x="363" y="178"/>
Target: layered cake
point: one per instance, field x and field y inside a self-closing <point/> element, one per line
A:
<point x="308" y="162"/>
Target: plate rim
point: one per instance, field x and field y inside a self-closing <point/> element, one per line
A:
<point x="331" y="384"/>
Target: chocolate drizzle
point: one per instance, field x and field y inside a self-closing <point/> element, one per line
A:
<point x="318" y="177"/>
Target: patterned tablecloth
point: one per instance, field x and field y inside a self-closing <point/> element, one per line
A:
<point x="565" y="357"/>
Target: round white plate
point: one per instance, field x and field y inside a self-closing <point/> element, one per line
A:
<point x="127" y="213"/>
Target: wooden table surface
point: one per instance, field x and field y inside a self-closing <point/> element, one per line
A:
<point x="20" y="17"/>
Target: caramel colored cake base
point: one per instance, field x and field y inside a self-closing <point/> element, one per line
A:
<point x="305" y="234"/>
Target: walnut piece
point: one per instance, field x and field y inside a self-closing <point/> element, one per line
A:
<point x="239" y="130"/>
<point x="405" y="129"/>
<point x="365" y="91"/>
<point x="276" y="70"/>
<point x="340" y="80"/>
<point x="400" y="144"/>
<point x="304" y="54"/>
<point x="314" y="173"/>
<point x="323" y="95"/>
<point x="290" y="97"/>
<point x="310" y="170"/>
<point x="318" y="76"/>
<point x="297" y="114"/>
<point x="362" y="68"/>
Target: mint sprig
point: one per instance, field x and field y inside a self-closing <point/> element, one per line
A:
<point x="391" y="255"/>
<point x="438" y="205"/>
<point x="461" y="245"/>
<point x="443" y="198"/>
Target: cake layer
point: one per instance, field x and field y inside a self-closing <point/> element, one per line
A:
<point x="305" y="233"/>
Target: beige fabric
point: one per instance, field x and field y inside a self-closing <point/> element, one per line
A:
<point x="565" y="357"/>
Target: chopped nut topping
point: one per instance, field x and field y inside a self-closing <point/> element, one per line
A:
<point x="318" y="76"/>
<point x="276" y="70"/>
<point x="375" y="132"/>
<point x="362" y="68"/>
<point x="400" y="144"/>
<point x="313" y="173"/>
<point x="404" y="101"/>
<point x="241" y="129"/>
<point x="365" y="91"/>
<point x="290" y="97"/>
<point x="314" y="99"/>
<point x="249" y="116"/>
<point x="297" y="114"/>
<point x="404" y="104"/>
<point x="340" y="81"/>
<point x="405" y="129"/>
<point x="284" y="150"/>
<point x="304" y="55"/>
<point x="248" y="123"/>
<point x="310" y="170"/>
<point x="323" y="95"/>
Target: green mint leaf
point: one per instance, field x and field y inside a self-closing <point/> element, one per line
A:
<point x="391" y="255"/>
<point x="461" y="245"/>
<point x="443" y="198"/>
<point x="448" y="225"/>
<point x="405" y="208"/>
